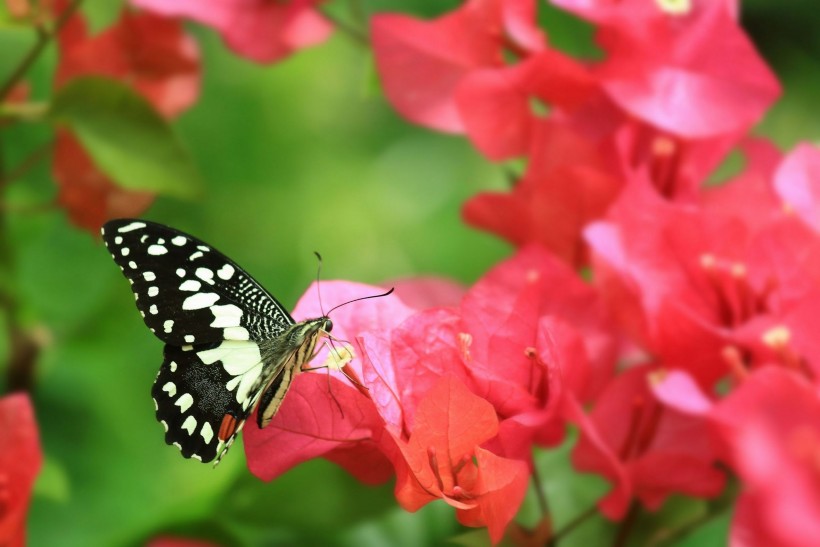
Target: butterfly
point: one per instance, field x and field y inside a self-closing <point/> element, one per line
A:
<point x="230" y="346"/>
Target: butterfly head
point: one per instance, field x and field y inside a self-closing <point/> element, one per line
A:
<point x="326" y="325"/>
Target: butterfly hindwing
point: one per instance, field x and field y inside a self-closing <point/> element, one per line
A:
<point x="188" y="292"/>
<point x="199" y="387"/>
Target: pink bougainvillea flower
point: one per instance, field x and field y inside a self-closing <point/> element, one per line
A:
<point x="422" y="63"/>
<point x="428" y="292"/>
<point x="324" y="413"/>
<point x="151" y="53"/>
<point x="88" y="195"/>
<point x="771" y="424"/>
<point x="442" y="459"/>
<point x="514" y="341"/>
<point x="20" y="461"/>
<point x="696" y="78"/>
<point x="638" y="12"/>
<point x="646" y="450"/>
<point x="701" y="288"/>
<point x="261" y="30"/>
<point x="497" y="106"/>
<point x="566" y="186"/>
<point x="797" y="182"/>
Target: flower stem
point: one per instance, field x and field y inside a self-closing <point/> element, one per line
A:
<point x="626" y="525"/>
<point x="539" y="492"/>
<point x="572" y="525"/>
<point x="44" y="36"/>
<point x="23" y="350"/>
<point x="357" y="34"/>
<point x="31" y="161"/>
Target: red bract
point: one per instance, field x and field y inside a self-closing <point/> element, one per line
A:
<point x="422" y="63"/>
<point x="798" y="183"/>
<point x="515" y="341"/>
<point x="695" y="76"/>
<point x="771" y="424"/>
<point x="639" y="12"/>
<point x="324" y="414"/>
<point x="88" y="195"/>
<point x="20" y="461"/>
<point x="647" y="451"/>
<point x="702" y="289"/>
<point x="261" y="30"/>
<point x="498" y="105"/>
<point x="442" y="460"/>
<point x="149" y="52"/>
<point x="566" y="185"/>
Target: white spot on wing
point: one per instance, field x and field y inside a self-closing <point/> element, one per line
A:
<point x="226" y="316"/>
<point x="118" y="240"/>
<point x="226" y="272"/>
<point x="132" y="264"/>
<point x="153" y="291"/>
<point x="167" y="326"/>
<point x="207" y="432"/>
<point x="164" y="425"/>
<point x="180" y="272"/>
<point x="124" y="251"/>
<point x="190" y="285"/>
<point x="173" y="366"/>
<point x="131" y="227"/>
<point x="170" y="388"/>
<point x="205" y="275"/>
<point x="149" y="276"/>
<point x="200" y="300"/>
<point x="241" y="359"/>
<point x="153" y="309"/>
<point x="179" y="241"/>
<point x="236" y="333"/>
<point x="189" y="338"/>
<point x="195" y="255"/>
<point x="157" y="250"/>
<point x="184" y="402"/>
<point x="189" y="425"/>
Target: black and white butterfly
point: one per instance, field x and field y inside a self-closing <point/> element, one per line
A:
<point x="230" y="346"/>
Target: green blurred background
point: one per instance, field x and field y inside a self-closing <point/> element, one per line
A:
<point x="299" y="156"/>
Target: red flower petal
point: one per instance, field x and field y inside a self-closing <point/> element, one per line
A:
<point x="87" y="194"/>
<point x="797" y="181"/>
<point x="20" y="461"/>
<point x="151" y="53"/>
<point x="260" y="30"/>
<point x="310" y="424"/>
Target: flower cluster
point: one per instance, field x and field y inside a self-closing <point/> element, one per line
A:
<point x="667" y="318"/>
<point x="685" y="351"/>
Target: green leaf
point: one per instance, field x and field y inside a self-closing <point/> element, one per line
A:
<point x="127" y="138"/>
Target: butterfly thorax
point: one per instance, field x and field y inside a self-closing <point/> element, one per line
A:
<point x="284" y="357"/>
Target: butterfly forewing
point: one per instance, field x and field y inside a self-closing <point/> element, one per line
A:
<point x="226" y="337"/>
<point x="188" y="292"/>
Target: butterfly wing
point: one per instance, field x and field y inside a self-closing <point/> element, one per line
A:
<point x="215" y="320"/>
<point x="187" y="291"/>
<point x="203" y="394"/>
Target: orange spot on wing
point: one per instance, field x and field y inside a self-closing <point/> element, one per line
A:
<point x="228" y="427"/>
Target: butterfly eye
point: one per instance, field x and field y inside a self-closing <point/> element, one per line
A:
<point x="328" y="326"/>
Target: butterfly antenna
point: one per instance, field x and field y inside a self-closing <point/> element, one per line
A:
<point x="318" y="284"/>
<point x="361" y="298"/>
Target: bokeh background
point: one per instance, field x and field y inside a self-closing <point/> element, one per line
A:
<point x="298" y="156"/>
